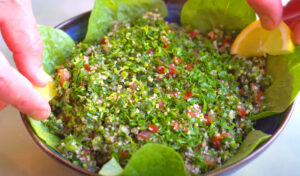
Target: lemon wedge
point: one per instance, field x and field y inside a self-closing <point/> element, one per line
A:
<point x="254" y="40"/>
<point x="48" y="92"/>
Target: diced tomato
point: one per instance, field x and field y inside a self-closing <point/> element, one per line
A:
<point x="123" y="153"/>
<point x="86" y="63"/>
<point x="175" y="94"/>
<point x="209" y="119"/>
<point x="166" y="46"/>
<point x="160" y="69"/>
<point x="153" y="128"/>
<point x="150" y="51"/>
<point x="192" y="113"/>
<point x="64" y="75"/>
<point x="172" y="70"/>
<point x="185" y="129"/>
<point x="224" y="41"/>
<point x="176" y="125"/>
<point x="259" y="94"/>
<point x="176" y="60"/>
<point x="193" y="33"/>
<point x="103" y="41"/>
<point x="161" y="105"/>
<point x="216" y="141"/>
<point x="144" y="135"/>
<point x="85" y="154"/>
<point x="188" y="94"/>
<point x="189" y="67"/>
<point x="241" y="110"/>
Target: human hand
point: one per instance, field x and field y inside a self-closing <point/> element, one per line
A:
<point x="271" y="12"/>
<point x="20" y="32"/>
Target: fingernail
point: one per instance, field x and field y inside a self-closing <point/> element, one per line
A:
<point x="44" y="76"/>
<point x="267" y="22"/>
<point x="40" y="114"/>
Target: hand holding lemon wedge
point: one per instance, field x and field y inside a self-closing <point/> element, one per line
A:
<point x="254" y="40"/>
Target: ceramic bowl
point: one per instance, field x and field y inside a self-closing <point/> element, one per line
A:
<point x="76" y="27"/>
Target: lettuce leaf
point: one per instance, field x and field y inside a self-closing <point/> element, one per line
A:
<point x="57" y="46"/>
<point x="43" y="133"/>
<point x="155" y="159"/>
<point x="206" y="15"/>
<point x="285" y="72"/>
<point x="252" y="140"/>
<point x="107" y="11"/>
<point x="111" y="168"/>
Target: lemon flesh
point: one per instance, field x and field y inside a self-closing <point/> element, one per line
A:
<point x="254" y="40"/>
<point x="48" y="92"/>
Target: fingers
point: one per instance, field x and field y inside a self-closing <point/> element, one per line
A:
<point x="2" y="105"/>
<point x="269" y="12"/>
<point x="17" y="91"/>
<point x="291" y="15"/>
<point x="20" y="32"/>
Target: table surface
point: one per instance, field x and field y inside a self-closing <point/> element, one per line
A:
<point x="19" y="155"/>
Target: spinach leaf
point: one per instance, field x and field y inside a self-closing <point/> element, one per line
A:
<point x="206" y="15"/>
<point x="252" y="140"/>
<point x="285" y="72"/>
<point x="43" y="133"/>
<point x="57" y="46"/>
<point x="155" y="159"/>
<point x="111" y="168"/>
<point x="107" y="11"/>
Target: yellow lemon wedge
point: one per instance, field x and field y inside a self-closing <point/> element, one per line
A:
<point x="48" y="92"/>
<point x="254" y="40"/>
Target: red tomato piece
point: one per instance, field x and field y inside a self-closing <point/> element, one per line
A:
<point x="185" y="129"/>
<point x="189" y="67"/>
<point x="103" y="41"/>
<point x="176" y="60"/>
<point x="175" y="94"/>
<point x="209" y="119"/>
<point x="64" y="76"/>
<point x="259" y="94"/>
<point x="123" y="153"/>
<point x="160" y="69"/>
<point x="153" y="128"/>
<point x="192" y="113"/>
<point x="193" y="33"/>
<point x="173" y="70"/>
<point x="176" y="125"/>
<point x="224" y="41"/>
<point x="144" y="135"/>
<point x="216" y="141"/>
<point x="188" y="94"/>
<point x="241" y="110"/>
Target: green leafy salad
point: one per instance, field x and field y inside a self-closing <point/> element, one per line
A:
<point x="141" y="96"/>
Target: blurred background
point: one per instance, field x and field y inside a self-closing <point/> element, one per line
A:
<point x="19" y="155"/>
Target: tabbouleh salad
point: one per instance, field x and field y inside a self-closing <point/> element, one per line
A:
<point x="154" y="82"/>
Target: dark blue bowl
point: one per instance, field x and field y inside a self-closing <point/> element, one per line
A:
<point x="76" y="27"/>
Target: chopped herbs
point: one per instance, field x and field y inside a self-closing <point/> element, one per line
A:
<point x="154" y="82"/>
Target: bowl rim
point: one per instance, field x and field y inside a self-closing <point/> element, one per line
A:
<point x="53" y="154"/>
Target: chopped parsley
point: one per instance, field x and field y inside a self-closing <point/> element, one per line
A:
<point x="154" y="82"/>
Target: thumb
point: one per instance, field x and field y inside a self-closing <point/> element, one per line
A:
<point x="269" y="12"/>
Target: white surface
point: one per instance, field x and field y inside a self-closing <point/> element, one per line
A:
<point x="19" y="155"/>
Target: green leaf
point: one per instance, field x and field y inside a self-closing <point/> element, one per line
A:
<point x="252" y="140"/>
<point x="206" y="15"/>
<point x="72" y="143"/>
<point x="111" y="168"/>
<point x="57" y="46"/>
<point x="43" y="133"/>
<point x="107" y="11"/>
<point x="155" y="159"/>
<point x="285" y="72"/>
